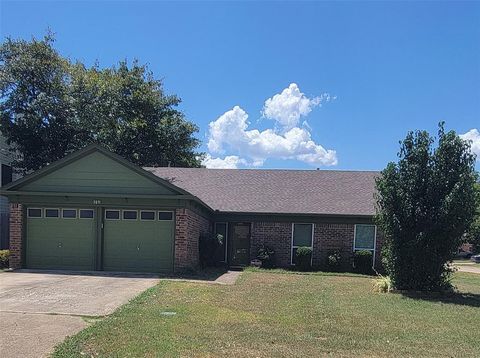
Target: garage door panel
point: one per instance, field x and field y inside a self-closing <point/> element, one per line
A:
<point x="58" y="243"/>
<point x="138" y="245"/>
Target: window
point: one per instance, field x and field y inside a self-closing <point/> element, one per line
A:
<point x="365" y="236"/>
<point x="130" y="214"/>
<point x="147" y="215"/>
<point x="165" y="215"/>
<point x="69" y="213"/>
<point x="86" y="213"/>
<point x="34" y="213"/>
<point x="112" y="214"/>
<point x="221" y="229"/>
<point x="6" y="174"/>
<point x="51" y="213"/>
<point x="302" y="236"/>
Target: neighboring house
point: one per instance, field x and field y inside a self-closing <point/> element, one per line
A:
<point x="6" y="176"/>
<point x="95" y="211"/>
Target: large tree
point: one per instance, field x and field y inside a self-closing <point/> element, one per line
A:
<point x="425" y="204"/>
<point x="51" y="107"/>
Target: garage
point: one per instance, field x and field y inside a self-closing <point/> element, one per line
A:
<point x="138" y="240"/>
<point x="95" y="211"/>
<point x="60" y="238"/>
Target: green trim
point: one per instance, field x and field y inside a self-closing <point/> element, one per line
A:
<point x="316" y="218"/>
<point x="96" y="195"/>
<point x="12" y="188"/>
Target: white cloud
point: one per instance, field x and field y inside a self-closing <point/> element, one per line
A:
<point x="287" y="107"/>
<point x="230" y="131"/>
<point x="229" y="162"/>
<point x="473" y="135"/>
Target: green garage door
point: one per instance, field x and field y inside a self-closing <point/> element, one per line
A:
<point x="60" y="238"/>
<point x="138" y="240"/>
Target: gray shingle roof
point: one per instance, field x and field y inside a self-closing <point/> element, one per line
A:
<point x="326" y="192"/>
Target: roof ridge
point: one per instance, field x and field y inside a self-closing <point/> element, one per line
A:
<point x="274" y="170"/>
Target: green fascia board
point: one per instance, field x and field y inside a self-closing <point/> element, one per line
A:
<point x="221" y="216"/>
<point x="12" y="188"/>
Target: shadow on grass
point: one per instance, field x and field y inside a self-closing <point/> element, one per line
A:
<point x="454" y="298"/>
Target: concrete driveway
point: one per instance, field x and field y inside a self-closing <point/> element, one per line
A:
<point x="39" y="309"/>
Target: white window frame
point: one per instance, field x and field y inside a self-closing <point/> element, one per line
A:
<point x="35" y="217"/>
<point x="119" y="214"/>
<point x="92" y="210"/>
<point x="374" y="250"/>
<point x="225" y="239"/>
<point x="164" y="211"/>
<point x="123" y="217"/>
<point x="76" y="213"/>
<point x="148" y="211"/>
<point x="295" y="247"/>
<point x="49" y="217"/>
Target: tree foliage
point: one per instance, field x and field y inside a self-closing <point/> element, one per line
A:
<point x="50" y="107"/>
<point x="473" y="235"/>
<point x="425" y="204"/>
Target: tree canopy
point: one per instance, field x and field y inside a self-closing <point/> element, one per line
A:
<point x="50" y="107"/>
<point x="426" y="202"/>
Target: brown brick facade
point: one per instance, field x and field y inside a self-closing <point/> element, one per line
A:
<point x="275" y="235"/>
<point x="188" y="228"/>
<point x="327" y="237"/>
<point x="16" y="232"/>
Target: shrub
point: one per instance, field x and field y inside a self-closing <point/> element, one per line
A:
<point x="363" y="262"/>
<point x="303" y="258"/>
<point x="4" y="257"/>
<point x="334" y="261"/>
<point x="425" y="204"/>
<point x="267" y="256"/>
<point x="382" y="284"/>
<point x="208" y="246"/>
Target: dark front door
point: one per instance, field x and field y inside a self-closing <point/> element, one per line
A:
<point x="240" y="244"/>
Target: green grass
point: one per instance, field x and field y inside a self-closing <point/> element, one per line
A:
<point x="280" y="314"/>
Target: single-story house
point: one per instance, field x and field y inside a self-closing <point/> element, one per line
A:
<point x="93" y="210"/>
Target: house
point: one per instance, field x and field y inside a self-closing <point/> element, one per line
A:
<point x="6" y="176"/>
<point x="93" y="210"/>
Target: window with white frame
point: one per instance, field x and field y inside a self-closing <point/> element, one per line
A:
<point x="365" y="236"/>
<point x="302" y="236"/>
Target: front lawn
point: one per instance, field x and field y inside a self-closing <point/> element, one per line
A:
<point x="279" y="314"/>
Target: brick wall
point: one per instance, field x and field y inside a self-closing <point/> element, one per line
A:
<point x="327" y="237"/>
<point x="16" y="227"/>
<point x="275" y="235"/>
<point x="188" y="228"/>
<point x="333" y="237"/>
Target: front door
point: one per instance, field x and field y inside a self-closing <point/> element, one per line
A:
<point x="240" y="244"/>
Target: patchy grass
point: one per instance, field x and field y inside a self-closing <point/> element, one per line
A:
<point x="275" y="313"/>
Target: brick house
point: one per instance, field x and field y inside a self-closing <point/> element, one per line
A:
<point x="93" y="210"/>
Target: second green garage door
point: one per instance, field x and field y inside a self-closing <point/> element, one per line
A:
<point x="138" y="240"/>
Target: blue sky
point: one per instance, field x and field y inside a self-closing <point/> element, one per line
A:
<point x="363" y="73"/>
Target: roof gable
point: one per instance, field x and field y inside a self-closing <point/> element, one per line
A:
<point x="94" y="170"/>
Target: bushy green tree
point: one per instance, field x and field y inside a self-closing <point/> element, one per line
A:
<point x="425" y="204"/>
<point x="50" y="107"/>
<point x="36" y="112"/>
<point x="473" y="235"/>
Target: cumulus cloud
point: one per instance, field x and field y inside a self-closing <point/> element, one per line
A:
<point x="229" y="162"/>
<point x="230" y="131"/>
<point x="287" y="107"/>
<point x="473" y="135"/>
